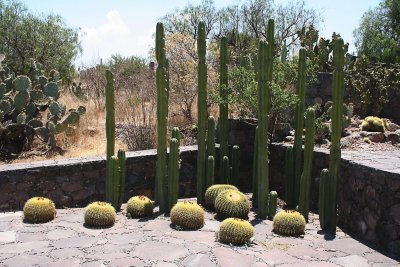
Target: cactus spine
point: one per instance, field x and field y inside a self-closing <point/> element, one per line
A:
<point x="210" y="171"/>
<point x="255" y="156"/>
<point x="289" y="182"/>
<point x="173" y="173"/>
<point x="225" y="170"/>
<point x="323" y="191"/>
<point x="272" y="204"/>
<point x="162" y="102"/>
<point x="299" y="124"/>
<point x="235" y="165"/>
<point x="335" y="152"/>
<point x="305" y="182"/>
<point x="202" y="112"/>
<point x="223" y="106"/>
<point x="264" y="100"/>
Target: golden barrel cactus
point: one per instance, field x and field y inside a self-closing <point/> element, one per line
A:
<point x="100" y="214"/>
<point x="235" y="231"/>
<point x="139" y="206"/>
<point x="289" y="222"/>
<point x="188" y="215"/>
<point x="39" y="210"/>
<point x="232" y="204"/>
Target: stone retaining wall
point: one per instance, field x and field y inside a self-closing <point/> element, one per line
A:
<point x="78" y="181"/>
<point x="368" y="198"/>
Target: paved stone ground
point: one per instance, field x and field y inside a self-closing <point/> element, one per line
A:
<point x="152" y="242"/>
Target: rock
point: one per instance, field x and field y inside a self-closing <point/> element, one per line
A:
<point x="394" y="138"/>
<point x="289" y="138"/>
<point x="281" y="130"/>
<point x="395" y="213"/>
<point x="392" y="127"/>
<point x="375" y="137"/>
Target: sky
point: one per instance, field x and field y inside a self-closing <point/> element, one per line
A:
<point x="126" y="27"/>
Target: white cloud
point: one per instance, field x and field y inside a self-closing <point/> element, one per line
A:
<point x="113" y="26"/>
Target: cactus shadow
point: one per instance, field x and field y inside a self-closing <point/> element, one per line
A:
<point x="327" y="235"/>
<point x="97" y="227"/>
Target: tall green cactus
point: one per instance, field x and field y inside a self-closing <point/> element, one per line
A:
<point x="225" y="170"/>
<point x="210" y="152"/>
<point x="264" y="101"/>
<point x="110" y="132"/>
<point x="122" y="174"/>
<point x="235" y="165"/>
<point x="289" y="178"/>
<point x="272" y="204"/>
<point x="115" y="165"/>
<point x="305" y="182"/>
<point x="299" y="124"/>
<point x="335" y="152"/>
<point x="210" y="171"/>
<point x="211" y="137"/>
<point x="255" y="157"/>
<point x="173" y="173"/>
<point x="322" y="203"/>
<point x="223" y="106"/>
<point x="162" y="102"/>
<point x="202" y="112"/>
<point x="284" y="52"/>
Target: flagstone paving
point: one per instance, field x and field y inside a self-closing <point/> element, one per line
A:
<point x="153" y="242"/>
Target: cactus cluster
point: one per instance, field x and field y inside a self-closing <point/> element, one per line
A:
<point x="289" y="222"/>
<point x="139" y="206"/>
<point x="232" y="203"/>
<point x="213" y="191"/>
<point x="39" y="210"/>
<point x="24" y="99"/>
<point x="99" y="214"/>
<point x="235" y="231"/>
<point x="188" y="215"/>
<point x="373" y="124"/>
<point x="116" y="164"/>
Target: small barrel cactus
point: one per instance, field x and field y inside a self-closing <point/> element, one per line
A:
<point x="139" y="206"/>
<point x="373" y="124"/>
<point x="232" y="203"/>
<point x="39" y="210"/>
<point x="100" y="214"/>
<point x="235" y="231"/>
<point x="289" y="222"/>
<point x="213" y="191"/>
<point x="188" y="215"/>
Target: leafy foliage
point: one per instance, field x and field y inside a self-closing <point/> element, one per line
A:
<point x="377" y="37"/>
<point x="370" y="83"/>
<point x="45" y="38"/>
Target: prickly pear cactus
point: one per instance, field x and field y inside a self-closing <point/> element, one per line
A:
<point x="24" y="99"/>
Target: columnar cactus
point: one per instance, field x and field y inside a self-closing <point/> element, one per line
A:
<point x="162" y="102"/>
<point x="235" y="165"/>
<point x="289" y="177"/>
<point x="223" y="106"/>
<point x="173" y="173"/>
<point x="225" y="173"/>
<point x="272" y="204"/>
<point x="305" y="183"/>
<point x="335" y="152"/>
<point x="264" y="100"/>
<point x="255" y="156"/>
<point x="210" y="151"/>
<point x="210" y="171"/>
<point x="299" y="125"/>
<point x="202" y="112"/>
<point x="115" y="165"/>
<point x="322" y="203"/>
<point x="110" y="132"/>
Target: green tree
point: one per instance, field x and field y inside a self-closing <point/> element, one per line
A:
<point x="378" y="36"/>
<point x="45" y="38"/>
